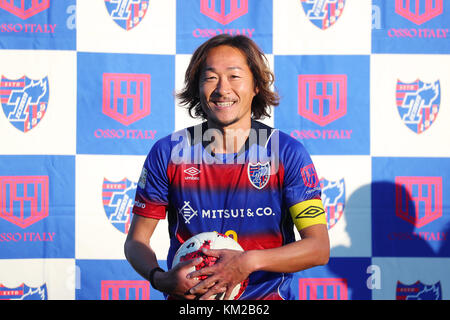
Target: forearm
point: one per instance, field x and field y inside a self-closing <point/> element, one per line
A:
<point x="293" y="257"/>
<point x="141" y="257"/>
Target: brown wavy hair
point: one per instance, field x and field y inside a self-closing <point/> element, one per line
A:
<point x="257" y="62"/>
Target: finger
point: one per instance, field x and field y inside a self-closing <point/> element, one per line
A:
<point x="186" y="296"/>
<point x="189" y="263"/>
<point x="206" y="271"/>
<point x="216" y="290"/>
<point x="203" y="286"/>
<point x="212" y="252"/>
<point x="229" y="291"/>
<point x="196" y="289"/>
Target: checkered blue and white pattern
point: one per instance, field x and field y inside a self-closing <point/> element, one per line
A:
<point x="87" y="87"/>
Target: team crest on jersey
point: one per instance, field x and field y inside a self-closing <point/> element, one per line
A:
<point x="418" y="291"/>
<point x="309" y="176"/>
<point x="418" y="200"/>
<point x="333" y="198"/>
<point x="259" y="174"/>
<point x="127" y="13"/>
<point x="24" y="101"/>
<point x="419" y="11"/>
<point x="26" y="8"/>
<point x="118" y="200"/>
<point x="224" y="11"/>
<point x="24" y="292"/>
<point x="418" y="103"/>
<point x="24" y="200"/>
<point x="323" y="13"/>
<point x="126" y="96"/>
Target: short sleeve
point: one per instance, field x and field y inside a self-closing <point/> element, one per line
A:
<point x="301" y="187"/>
<point x="152" y="191"/>
<point x="300" y="177"/>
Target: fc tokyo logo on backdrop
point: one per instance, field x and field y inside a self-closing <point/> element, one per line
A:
<point x="419" y="11"/>
<point x="24" y="200"/>
<point x="418" y="200"/>
<point x="322" y="98"/>
<point x="25" y="8"/>
<point x="418" y="291"/>
<point x="333" y="198"/>
<point x="126" y="96"/>
<point x="259" y="174"/>
<point x="118" y="199"/>
<point x="418" y="104"/>
<point x="127" y="13"/>
<point x="24" y="101"/>
<point x="224" y="11"/>
<point x="24" y="292"/>
<point x="323" y="13"/>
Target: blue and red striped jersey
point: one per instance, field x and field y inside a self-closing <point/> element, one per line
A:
<point x="246" y="195"/>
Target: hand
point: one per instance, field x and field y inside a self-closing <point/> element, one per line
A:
<point x="175" y="282"/>
<point x="231" y="268"/>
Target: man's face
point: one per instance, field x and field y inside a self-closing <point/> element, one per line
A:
<point x="227" y="88"/>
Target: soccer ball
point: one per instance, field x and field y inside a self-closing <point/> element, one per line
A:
<point x="192" y="249"/>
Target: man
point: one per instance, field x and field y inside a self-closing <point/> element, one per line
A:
<point x="233" y="175"/>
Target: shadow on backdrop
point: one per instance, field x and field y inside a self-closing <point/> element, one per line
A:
<point x="391" y="226"/>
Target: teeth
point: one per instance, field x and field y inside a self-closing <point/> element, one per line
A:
<point x="224" y="104"/>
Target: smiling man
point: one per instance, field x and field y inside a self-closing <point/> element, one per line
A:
<point x="227" y="88"/>
<point x="230" y="174"/>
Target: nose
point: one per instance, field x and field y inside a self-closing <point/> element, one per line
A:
<point x="223" y="87"/>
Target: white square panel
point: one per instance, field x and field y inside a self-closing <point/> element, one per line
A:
<point x="389" y="134"/>
<point x="293" y="33"/>
<point x="97" y="31"/>
<point x="56" y="132"/>
<point x="182" y="117"/>
<point x="350" y="236"/>
<point x="389" y="272"/>
<point x="59" y="276"/>
<point x="96" y="236"/>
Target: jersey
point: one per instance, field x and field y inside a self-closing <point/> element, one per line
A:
<point x="255" y="196"/>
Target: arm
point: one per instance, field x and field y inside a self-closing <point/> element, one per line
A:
<point x="312" y="250"/>
<point x="137" y="249"/>
<point x="143" y="259"/>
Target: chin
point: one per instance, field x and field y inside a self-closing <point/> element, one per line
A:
<point x="223" y="122"/>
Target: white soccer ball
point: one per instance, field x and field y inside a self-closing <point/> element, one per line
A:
<point x="192" y="249"/>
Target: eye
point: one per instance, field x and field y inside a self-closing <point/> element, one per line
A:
<point x="209" y="78"/>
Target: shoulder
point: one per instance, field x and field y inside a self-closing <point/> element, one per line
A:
<point x="181" y="137"/>
<point x="286" y="145"/>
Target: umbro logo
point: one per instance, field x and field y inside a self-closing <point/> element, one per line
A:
<point x="192" y="174"/>
<point x="310" y="212"/>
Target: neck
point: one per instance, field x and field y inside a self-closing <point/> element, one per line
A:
<point x="228" y="139"/>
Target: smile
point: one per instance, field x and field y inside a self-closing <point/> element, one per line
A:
<point x="223" y="104"/>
